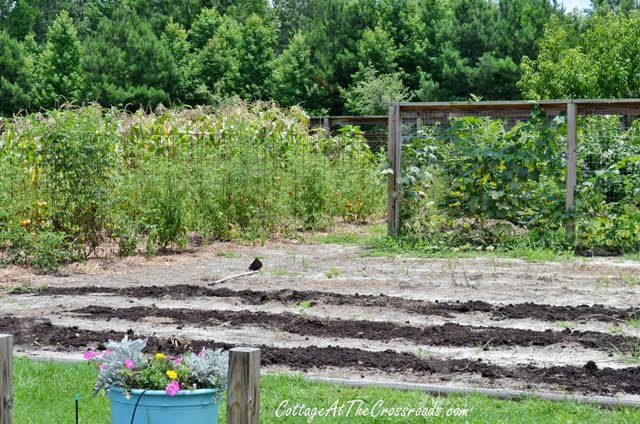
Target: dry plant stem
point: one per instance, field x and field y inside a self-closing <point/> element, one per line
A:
<point x="244" y="274"/>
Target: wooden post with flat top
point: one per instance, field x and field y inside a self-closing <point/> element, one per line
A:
<point x="394" y="189"/>
<point x="6" y="379"/>
<point x="243" y="393"/>
<point x="571" y="177"/>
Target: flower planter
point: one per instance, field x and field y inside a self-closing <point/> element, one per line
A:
<point x="157" y="407"/>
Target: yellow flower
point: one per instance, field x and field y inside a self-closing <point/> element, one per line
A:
<point x="172" y="374"/>
<point x="159" y="355"/>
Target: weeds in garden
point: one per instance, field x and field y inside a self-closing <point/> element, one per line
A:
<point x="629" y="279"/>
<point x="333" y="272"/>
<point x="603" y="282"/>
<point x="564" y="325"/>
<point x="304" y="305"/>
<point x="484" y="347"/>
<point x="76" y="178"/>
<point x="630" y="332"/>
<point x="281" y="272"/>
<point x="227" y="254"/>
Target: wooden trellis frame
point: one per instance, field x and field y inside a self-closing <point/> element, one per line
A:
<point x="572" y="108"/>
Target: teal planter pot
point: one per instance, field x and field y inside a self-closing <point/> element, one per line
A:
<point x="157" y="407"/>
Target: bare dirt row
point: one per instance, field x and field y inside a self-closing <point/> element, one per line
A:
<point x="550" y="313"/>
<point x="442" y="335"/>
<point x="588" y="378"/>
<point x="333" y="311"/>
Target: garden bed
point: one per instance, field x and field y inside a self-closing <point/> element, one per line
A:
<point x="330" y="310"/>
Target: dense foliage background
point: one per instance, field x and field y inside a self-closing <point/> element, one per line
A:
<point x="76" y="180"/>
<point x="329" y="56"/>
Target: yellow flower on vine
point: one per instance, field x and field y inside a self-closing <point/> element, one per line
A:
<point x="159" y="355"/>
<point x="172" y="374"/>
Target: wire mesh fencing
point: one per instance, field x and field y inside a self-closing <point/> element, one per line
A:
<point x="608" y="147"/>
<point x="372" y="128"/>
<point x="476" y="174"/>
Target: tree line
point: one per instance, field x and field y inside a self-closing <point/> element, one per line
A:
<point x="329" y="56"/>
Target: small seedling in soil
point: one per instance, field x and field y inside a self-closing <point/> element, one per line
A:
<point x="226" y="254"/>
<point x="304" y="305"/>
<point x="305" y="263"/>
<point x="604" y="282"/>
<point x="630" y="331"/>
<point x="488" y="346"/>
<point x="563" y="325"/>
<point x="632" y="280"/>
<point x="280" y="272"/>
<point x="24" y="289"/>
<point x="452" y="265"/>
<point x="423" y="354"/>
<point x="466" y="283"/>
<point x="333" y="273"/>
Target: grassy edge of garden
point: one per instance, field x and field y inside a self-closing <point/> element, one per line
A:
<point x="44" y="392"/>
<point x="373" y="238"/>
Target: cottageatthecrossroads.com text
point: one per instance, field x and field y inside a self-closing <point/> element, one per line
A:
<point x="359" y="408"/>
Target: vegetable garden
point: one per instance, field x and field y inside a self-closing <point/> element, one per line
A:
<point x="76" y="179"/>
<point x="499" y="175"/>
<point x="202" y="194"/>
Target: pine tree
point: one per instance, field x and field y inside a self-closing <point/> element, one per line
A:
<point x="60" y="77"/>
<point x="127" y="65"/>
<point x="15" y="78"/>
<point x="19" y="18"/>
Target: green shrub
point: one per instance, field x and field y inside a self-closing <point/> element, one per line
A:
<point x="482" y="182"/>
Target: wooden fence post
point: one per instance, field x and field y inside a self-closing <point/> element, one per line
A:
<point x="572" y="176"/>
<point x="6" y="378"/>
<point x="326" y="123"/>
<point x="394" y="189"/>
<point x="243" y="393"/>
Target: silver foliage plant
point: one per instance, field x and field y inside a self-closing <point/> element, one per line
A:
<point x="208" y="368"/>
<point x="111" y="360"/>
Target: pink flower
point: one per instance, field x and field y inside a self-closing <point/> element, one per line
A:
<point x="90" y="354"/>
<point x="129" y="363"/>
<point x="102" y="366"/>
<point x="108" y="352"/>
<point x="178" y="362"/>
<point x="172" y="388"/>
<point x="202" y="353"/>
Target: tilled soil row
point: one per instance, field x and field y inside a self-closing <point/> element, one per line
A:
<point x="449" y="334"/>
<point x="550" y="313"/>
<point x="589" y="378"/>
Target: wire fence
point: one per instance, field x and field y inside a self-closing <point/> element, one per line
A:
<point x="373" y="128"/>
<point x="514" y="166"/>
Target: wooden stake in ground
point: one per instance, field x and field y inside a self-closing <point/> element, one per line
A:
<point x="6" y="378"/>
<point x="243" y="392"/>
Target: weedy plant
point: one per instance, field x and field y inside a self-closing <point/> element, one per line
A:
<point x="486" y="182"/>
<point x="333" y="272"/>
<point x="630" y="332"/>
<point x="76" y="178"/>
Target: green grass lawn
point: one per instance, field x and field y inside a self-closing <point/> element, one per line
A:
<point x="44" y="393"/>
